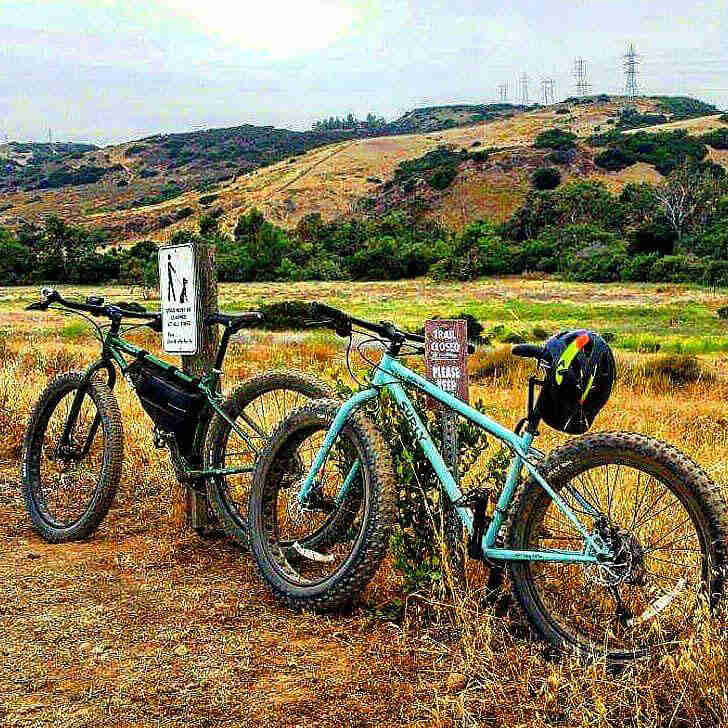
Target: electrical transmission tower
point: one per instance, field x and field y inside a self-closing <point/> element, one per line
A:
<point x="547" y="89"/>
<point x="583" y="87"/>
<point x="524" y="89"/>
<point x="631" y="71"/>
<point x="503" y="92"/>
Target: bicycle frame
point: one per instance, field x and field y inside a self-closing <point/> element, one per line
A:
<point x="113" y="351"/>
<point x="389" y="376"/>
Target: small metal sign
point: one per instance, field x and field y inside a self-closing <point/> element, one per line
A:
<point x="446" y="355"/>
<point x="180" y="305"/>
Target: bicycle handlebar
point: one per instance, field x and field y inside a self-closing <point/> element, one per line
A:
<point x="343" y="322"/>
<point x="50" y="295"/>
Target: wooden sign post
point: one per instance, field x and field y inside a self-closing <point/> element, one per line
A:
<point x="446" y="353"/>
<point x="188" y="292"/>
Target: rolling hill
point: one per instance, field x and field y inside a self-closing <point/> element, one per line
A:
<point x="152" y="187"/>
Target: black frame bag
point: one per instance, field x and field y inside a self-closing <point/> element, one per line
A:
<point x="174" y="405"/>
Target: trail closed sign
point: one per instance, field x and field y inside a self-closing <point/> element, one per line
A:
<point x="180" y="302"/>
<point x="446" y="355"/>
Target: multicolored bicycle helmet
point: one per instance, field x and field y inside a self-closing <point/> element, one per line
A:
<point x="579" y="379"/>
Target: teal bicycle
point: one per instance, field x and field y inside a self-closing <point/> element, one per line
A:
<point x="615" y="543"/>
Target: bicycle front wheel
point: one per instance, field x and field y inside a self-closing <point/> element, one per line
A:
<point x="69" y="484"/>
<point x="665" y="523"/>
<point x="322" y="555"/>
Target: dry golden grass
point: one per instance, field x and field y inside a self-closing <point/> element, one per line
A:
<point x="146" y="624"/>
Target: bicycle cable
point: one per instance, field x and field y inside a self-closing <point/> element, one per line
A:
<point x="360" y="347"/>
<point x="72" y="312"/>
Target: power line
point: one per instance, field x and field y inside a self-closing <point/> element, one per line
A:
<point x="524" y="89"/>
<point x="583" y="87"/>
<point x="631" y="71"/>
<point x="547" y="90"/>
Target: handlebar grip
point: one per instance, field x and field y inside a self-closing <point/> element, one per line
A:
<point x="530" y="351"/>
<point x="330" y="311"/>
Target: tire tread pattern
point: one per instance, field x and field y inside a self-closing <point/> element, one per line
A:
<point x="345" y="585"/>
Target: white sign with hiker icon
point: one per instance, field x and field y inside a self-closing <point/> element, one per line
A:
<point x="178" y="288"/>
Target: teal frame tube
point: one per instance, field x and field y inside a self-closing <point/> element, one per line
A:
<point x="389" y="375"/>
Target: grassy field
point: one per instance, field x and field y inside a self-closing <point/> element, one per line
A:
<point x="641" y="317"/>
<point x="146" y="624"/>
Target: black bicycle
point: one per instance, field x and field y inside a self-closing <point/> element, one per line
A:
<point x="74" y="443"/>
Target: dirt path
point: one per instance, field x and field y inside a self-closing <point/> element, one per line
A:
<point x="115" y="632"/>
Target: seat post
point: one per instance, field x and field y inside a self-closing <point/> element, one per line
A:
<point x="222" y="349"/>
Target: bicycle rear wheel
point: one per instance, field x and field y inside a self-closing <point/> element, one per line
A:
<point x="68" y="487"/>
<point x="666" y="524"/>
<point x="256" y="406"/>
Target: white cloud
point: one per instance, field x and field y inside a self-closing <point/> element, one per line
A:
<point x="281" y="28"/>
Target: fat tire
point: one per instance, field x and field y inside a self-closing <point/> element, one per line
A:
<point x="709" y="506"/>
<point x="233" y="523"/>
<point x="113" y="457"/>
<point x="344" y="585"/>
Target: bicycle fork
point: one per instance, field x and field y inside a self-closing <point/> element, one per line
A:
<point x="64" y="446"/>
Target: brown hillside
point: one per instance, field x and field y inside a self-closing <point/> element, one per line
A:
<point x="329" y="179"/>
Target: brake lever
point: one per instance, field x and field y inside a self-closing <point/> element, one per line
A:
<point x="312" y="322"/>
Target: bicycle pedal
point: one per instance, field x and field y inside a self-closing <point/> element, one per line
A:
<point x="159" y="441"/>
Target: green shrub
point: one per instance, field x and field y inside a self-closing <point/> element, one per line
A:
<point x="598" y="263"/>
<point x="664" y="150"/>
<point x="555" y="139"/>
<point x="679" y="269"/>
<point x="614" y="160"/>
<point x="718" y="139"/>
<point x="684" y="107"/>
<point x="656" y="236"/>
<point x="208" y="199"/>
<point x="443" y="177"/>
<point x="559" y="156"/>
<point x="716" y="273"/>
<point x="546" y="178"/>
<point x="480" y="156"/>
<point x="638" y="267"/>
<point x="64" y="177"/>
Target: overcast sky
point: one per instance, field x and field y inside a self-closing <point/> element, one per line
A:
<point x="105" y="71"/>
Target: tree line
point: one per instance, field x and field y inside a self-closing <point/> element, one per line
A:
<point x="350" y="121"/>
<point x="674" y="231"/>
